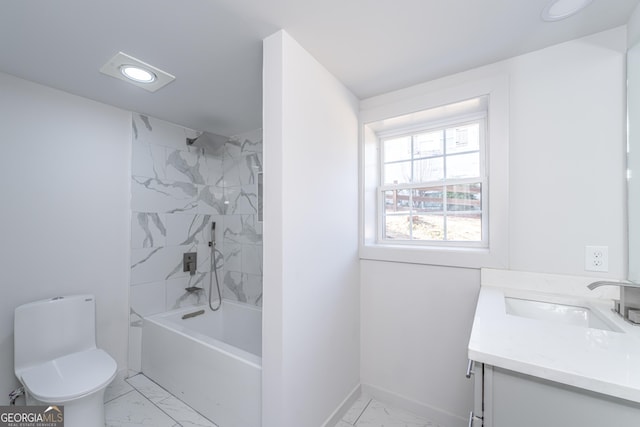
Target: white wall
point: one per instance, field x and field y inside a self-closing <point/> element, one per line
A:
<point x="64" y="216"/>
<point x="568" y="155"/>
<point x="311" y="295"/>
<point x="567" y="172"/>
<point x="633" y="27"/>
<point x="416" y="321"/>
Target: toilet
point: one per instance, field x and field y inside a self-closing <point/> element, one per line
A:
<point x="57" y="361"/>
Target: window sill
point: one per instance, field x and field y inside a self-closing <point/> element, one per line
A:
<point x="431" y="255"/>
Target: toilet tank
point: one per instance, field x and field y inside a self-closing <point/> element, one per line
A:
<point x="47" y="329"/>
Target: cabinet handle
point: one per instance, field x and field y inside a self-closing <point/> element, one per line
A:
<point x="471" y="419"/>
<point x="470" y="369"/>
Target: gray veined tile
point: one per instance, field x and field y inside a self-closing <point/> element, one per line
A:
<point x="242" y="287"/>
<point x="135" y="319"/>
<point x="242" y="200"/>
<point x="148" y="160"/>
<point x="247" y="142"/>
<point x="157" y="264"/>
<point x="154" y="195"/>
<point x="187" y="229"/>
<point x="148" y="388"/>
<point x="356" y="409"/>
<point x="185" y="166"/>
<point x="178" y="296"/>
<point x="132" y="409"/>
<point x="212" y="170"/>
<point x="242" y="229"/>
<point x="252" y="259"/>
<point x="148" y="230"/>
<point x="380" y="415"/>
<point x="183" y="414"/>
<point x="252" y="285"/>
<point x="233" y="286"/>
<point x="233" y="257"/>
<point x="118" y="387"/>
<point x="211" y="200"/>
<point x="160" y="132"/>
<point x="241" y="170"/>
<point x="148" y="298"/>
<point x="343" y="424"/>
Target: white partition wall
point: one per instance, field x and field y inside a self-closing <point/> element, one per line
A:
<point x="311" y="297"/>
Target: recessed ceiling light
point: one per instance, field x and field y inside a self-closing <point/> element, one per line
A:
<point x="126" y="67"/>
<point x="137" y="74"/>
<point x="561" y="9"/>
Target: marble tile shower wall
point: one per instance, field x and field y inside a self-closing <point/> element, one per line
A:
<point x="177" y="191"/>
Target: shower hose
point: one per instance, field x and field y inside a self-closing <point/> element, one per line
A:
<point x="214" y="269"/>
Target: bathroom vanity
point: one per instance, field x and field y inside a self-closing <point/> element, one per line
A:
<point x="546" y="351"/>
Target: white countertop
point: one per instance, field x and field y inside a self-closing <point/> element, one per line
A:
<point x="601" y="361"/>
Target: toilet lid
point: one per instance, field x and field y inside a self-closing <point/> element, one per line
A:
<point x="71" y="376"/>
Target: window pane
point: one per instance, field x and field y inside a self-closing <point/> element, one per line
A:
<point x="428" y="199"/>
<point x="463" y="138"/>
<point x="466" y="227"/>
<point x="397" y="149"/>
<point x="397" y="227"/>
<point x="428" y="227"/>
<point x="397" y="173"/>
<point x="428" y="170"/>
<point x="464" y="197"/>
<point x="428" y="144"/>
<point x="463" y="166"/>
<point x="396" y="201"/>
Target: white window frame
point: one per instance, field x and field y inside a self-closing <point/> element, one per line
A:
<point x="493" y="253"/>
<point x="459" y="120"/>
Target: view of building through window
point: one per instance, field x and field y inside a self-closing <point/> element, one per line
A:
<point x="432" y="184"/>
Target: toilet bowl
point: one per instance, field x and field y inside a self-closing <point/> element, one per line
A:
<point x="57" y="361"/>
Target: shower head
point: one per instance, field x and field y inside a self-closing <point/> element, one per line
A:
<point x="207" y="139"/>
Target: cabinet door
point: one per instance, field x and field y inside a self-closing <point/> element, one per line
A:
<point x="524" y="401"/>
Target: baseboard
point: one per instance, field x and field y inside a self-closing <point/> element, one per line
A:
<point x="437" y="415"/>
<point x="342" y="409"/>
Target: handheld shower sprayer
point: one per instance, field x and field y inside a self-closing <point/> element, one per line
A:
<point x="214" y="268"/>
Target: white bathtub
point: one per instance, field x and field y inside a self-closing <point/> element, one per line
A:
<point x="212" y="361"/>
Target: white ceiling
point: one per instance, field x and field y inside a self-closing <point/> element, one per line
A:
<point x="214" y="47"/>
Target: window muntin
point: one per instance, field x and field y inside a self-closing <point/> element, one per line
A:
<point x="433" y="185"/>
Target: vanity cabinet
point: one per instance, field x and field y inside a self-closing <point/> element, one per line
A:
<point x="505" y="398"/>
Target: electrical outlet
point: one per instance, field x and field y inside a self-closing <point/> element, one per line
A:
<point x="596" y="258"/>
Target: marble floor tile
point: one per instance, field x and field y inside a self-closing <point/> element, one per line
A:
<point x="356" y="410"/>
<point x="117" y="388"/>
<point x="148" y="388"/>
<point x="133" y="409"/>
<point x="379" y="415"/>
<point x="183" y="414"/>
<point x="368" y="412"/>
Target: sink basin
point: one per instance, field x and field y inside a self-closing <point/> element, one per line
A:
<point x="559" y="313"/>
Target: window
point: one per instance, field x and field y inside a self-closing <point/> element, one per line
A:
<point x="435" y="173"/>
<point x="432" y="182"/>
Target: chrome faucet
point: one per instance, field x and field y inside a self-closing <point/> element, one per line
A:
<point x="629" y="296"/>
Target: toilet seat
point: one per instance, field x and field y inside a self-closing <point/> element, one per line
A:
<point x="69" y="377"/>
